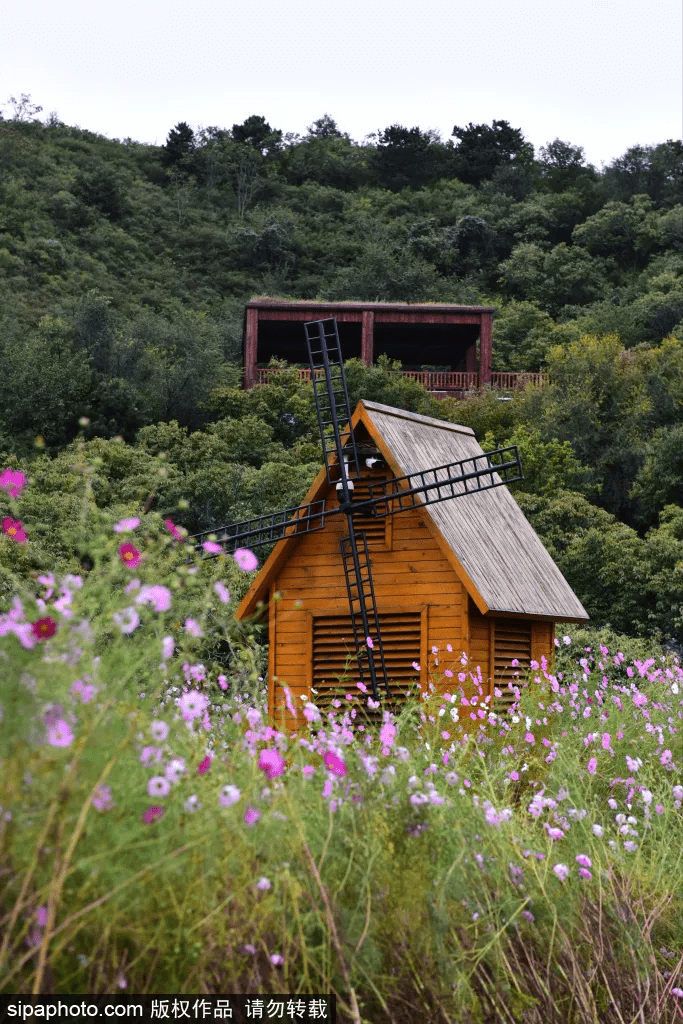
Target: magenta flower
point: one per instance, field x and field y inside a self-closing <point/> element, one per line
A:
<point x="369" y="642"/>
<point x="222" y="591"/>
<point x="246" y="559"/>
<point x="125" y="525"/>
<point x="42" y="629"/>
<point x="13" y="481"/>
<point x="212" y="548"/>
<point x="152" y="814"/>
<point x="277" y="959"/>
<point x="272" y="763"/>
<point x="168" y="523"/>
<point x="251" y="816"/>
<point x="59" y="734"/>
<point x="159" y="597"/>
<point x="129" y="555"/>
<point x="592" y="765"/>
<point x="193" y="628"/>
<point x="562" y="872"/>
<point x="583" y="860"/>
<point x="204" y="765"/>
<point x="334" y="763"/>
<point x="666" y="757"/>
<point x="13" y="529"/>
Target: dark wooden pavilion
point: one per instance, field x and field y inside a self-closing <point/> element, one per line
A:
<point x="453" y="340"/>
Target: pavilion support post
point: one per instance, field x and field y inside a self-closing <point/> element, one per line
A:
<point x="471" y="358"/>
<point x="250" y="348"/>
<point x="485" y="349"/>
<point x="366" y="344"/>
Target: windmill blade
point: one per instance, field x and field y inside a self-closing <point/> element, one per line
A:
<point x="331" y="401"/>
<point x="363" y="607"/>
<point x="453" y="480"/>
<point x="266" y="529"/>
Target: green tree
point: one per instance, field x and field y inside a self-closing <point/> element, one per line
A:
<point x="629" y="232"/>
<point x="324" y="128"/>
<point x="563" y="166"/>
<point x="564" y="275"/>
<point x="598" y="401"/>
<point x="482" y="148"/>
<point x="407" y="157"/>
<point x="180" y="142"/>
<point x="659" y="480"/>
<point x="257" y="133"/>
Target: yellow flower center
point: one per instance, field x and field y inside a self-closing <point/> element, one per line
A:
<point x="12" y="530"/>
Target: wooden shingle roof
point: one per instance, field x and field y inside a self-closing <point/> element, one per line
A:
<point x="485" y="535"/>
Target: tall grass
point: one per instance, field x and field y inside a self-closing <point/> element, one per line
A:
<point x="160" y="835"/>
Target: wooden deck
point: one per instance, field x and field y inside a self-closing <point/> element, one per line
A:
<point x="442" y="383"/>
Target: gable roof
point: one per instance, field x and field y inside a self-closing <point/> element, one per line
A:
<point x="485" y="536"/>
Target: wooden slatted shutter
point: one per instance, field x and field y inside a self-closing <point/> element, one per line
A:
<point x="334" y="656"/>
<point x="511" y="641"/>
<point x="374" y="529"/>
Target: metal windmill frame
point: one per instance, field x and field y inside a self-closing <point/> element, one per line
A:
<point x="343" y="469"/>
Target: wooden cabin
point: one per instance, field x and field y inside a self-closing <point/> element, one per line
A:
<point x="468" y="571"/>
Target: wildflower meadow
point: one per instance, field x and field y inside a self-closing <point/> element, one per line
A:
<point x="160" y="834"/>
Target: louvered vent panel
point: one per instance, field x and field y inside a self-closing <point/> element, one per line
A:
<point x="512" y="640"/>
<point x="374" y="529"/>
<point x="334" y="656"/>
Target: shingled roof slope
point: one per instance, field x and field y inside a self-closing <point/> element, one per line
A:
<point x="487" y="531"/>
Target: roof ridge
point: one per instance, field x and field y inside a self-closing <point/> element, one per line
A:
<point x="416" y="417"/>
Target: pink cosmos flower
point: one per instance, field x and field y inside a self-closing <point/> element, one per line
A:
<point x="42" y="629"/>
<point x="228" y="796"/>
<point x="246" y="559"/>
<point x="59" y="734"/>
<point x="211" y="547"/>
<point x="251" y="816"/>
<point x="192" y="705"/>
<point x="102" y="799"/>
<point x="158" y="786"/>
<point x="204" y="765"/>
<point x="562" y="872"/>
<point x="334" y="763"/>
<point x="272" y="763"/>
<point x="152" y="814"/>
<point x="158" y="596"/>
<point x="13" y="529"/>
<point x="158" y="731"/>
<point x="369" y="642"/>
<point x="168" y="523"/>
<point x="666" y="757"/>
<point x="130" y="555"/>
<point x="264" y="884"/>
<point x="125" y="525"/>
<point x="13" y="481"/>
<point x="277" y="959"/>
<point x="223" y="682"/>
<point x="167" y="645"/>
<point x="41" y="916"/>
<point x="193" y="628"/>
<point x="222" y="591"/>
<point x="127" y="620"/>
<point x="583" y="860"/>
<point x="175" y="769"/>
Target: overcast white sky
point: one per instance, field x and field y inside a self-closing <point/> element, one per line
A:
<point x="602" y="74"/>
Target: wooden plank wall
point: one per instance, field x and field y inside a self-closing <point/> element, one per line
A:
<point x="409" y="574"/>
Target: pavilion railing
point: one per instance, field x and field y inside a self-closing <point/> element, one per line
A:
<point x="441" y="381"/>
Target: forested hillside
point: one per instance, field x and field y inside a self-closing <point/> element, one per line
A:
<point x="124" y="269"/>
